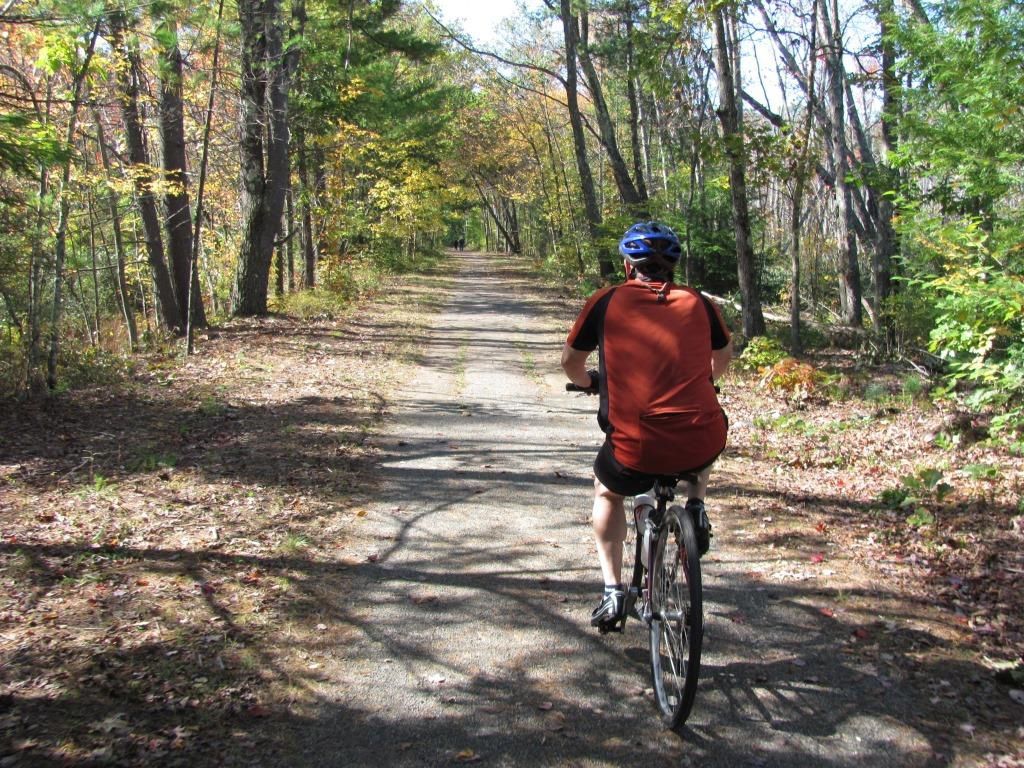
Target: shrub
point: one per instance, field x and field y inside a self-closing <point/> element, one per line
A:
<point x="797" y="380"/>
<point x="761" y="353"/>
<point x="317" y="304"/>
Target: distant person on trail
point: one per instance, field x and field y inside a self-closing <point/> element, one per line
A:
<point x="661" y="346"/>
<point x="461" y="243"/>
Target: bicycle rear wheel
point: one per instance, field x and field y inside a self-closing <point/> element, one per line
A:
<point x="677" y="626"/>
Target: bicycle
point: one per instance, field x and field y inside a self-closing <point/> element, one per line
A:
<point x="665" y="591"/>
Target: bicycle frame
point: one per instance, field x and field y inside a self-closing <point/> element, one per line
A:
<point x="648" y="539"/>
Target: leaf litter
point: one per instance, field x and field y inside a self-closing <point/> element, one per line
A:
<point x="157" y="536"/>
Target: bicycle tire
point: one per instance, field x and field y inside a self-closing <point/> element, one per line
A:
<point x="677" y="623"/>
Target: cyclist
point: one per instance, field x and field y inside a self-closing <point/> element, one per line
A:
<point x="661" y="346"/>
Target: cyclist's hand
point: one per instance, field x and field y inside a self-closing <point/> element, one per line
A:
<point x="591" y="390"/>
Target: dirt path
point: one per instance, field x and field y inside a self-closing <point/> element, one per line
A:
<point x="467" y="637"/>
<point x="364" y="542"/>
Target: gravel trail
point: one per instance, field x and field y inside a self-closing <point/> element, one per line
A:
<point x="468" y="637"/>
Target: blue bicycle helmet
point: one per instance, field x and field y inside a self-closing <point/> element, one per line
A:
<point x="651" y="247"/>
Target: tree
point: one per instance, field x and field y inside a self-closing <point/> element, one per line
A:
<point x="129" y="76"/>
<point x="178" y="218"/>
<point x="732" y="138"/>
<point x="267" y="69"/>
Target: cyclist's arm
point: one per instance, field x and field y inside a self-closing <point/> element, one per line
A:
<point x="720" y="361"/>
<point x="574" y="363"/>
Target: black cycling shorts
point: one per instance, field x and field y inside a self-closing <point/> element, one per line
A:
<point x="625" y="481"/>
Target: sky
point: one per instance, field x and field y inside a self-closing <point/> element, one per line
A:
<point x="478" y="17"/>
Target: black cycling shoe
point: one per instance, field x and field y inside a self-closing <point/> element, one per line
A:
<point x="701" y="523"/>
<point x="610" y="611"/>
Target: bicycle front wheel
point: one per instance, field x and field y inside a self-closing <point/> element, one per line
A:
<point x="677" y="625"/>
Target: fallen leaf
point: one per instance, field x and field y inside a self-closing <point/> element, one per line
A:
<point x="467" y="756"/>
<point x="422" y="599"/>
<point x="817" y="557"/>
<point x="111" y="724"/>
<point x="860" y="633"/>
<point x="827" y="612"/>
<point x="361" y="513"/>
<point x="555" y="721"/>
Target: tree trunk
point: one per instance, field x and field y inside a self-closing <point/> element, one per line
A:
<point x="590" y="206"/>
<point x="121" y="283"/>
<point x="176" y="203"/>
<point x="510" y="235"/>
<point x="128" y="82"/>
<point x="35" y="381"/>
<point x="266" y="76"/>
<point x="289" y="217"/>
<point x="849" y="273"/>
<point x="61" y="242"/>
<point x="628" y="192"/>
<point x="753" y="319"/>
<point x="801" y="172"/>
<point x="636" y="146"/>
<point x="308" y="234"/>
<point x="887" y="241"/>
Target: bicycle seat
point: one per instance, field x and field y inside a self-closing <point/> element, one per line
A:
<point x="673" y="480"/>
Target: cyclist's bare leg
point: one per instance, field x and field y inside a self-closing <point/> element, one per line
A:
<point x="609" y="531"/>
<point x="699" y="489"/>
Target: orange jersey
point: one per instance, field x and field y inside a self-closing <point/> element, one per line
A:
<point x="658" y="403"/>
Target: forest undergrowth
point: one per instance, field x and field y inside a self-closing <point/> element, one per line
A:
<point x="161" y="538"/>
<point x="865" y="481"/>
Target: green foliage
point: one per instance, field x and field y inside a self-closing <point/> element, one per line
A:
<point x="978" y="297"/>
<point x="961" y="127"/>
<point x="981" y="471"/>
<point x="26" y="144"/>
<point x="876" y="392"/>
<point x="293" y="543"/>
<point x="761" y="352"/>
<point x="100" y="483"/>
<point x="151" y="461"/>
<point x="914" y="386"/>
<point x="947" y="441"/>
<point x="83" y="365"/>
<point x="962" y="149"/>
<point x="920" y="517"/>
<point x="317" y="304"/>
<point x="915" y="493"/>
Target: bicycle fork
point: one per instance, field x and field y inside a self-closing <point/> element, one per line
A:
<point x="648" y="532"/>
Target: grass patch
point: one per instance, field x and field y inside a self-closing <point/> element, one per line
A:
<point x="293" y="544"/>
